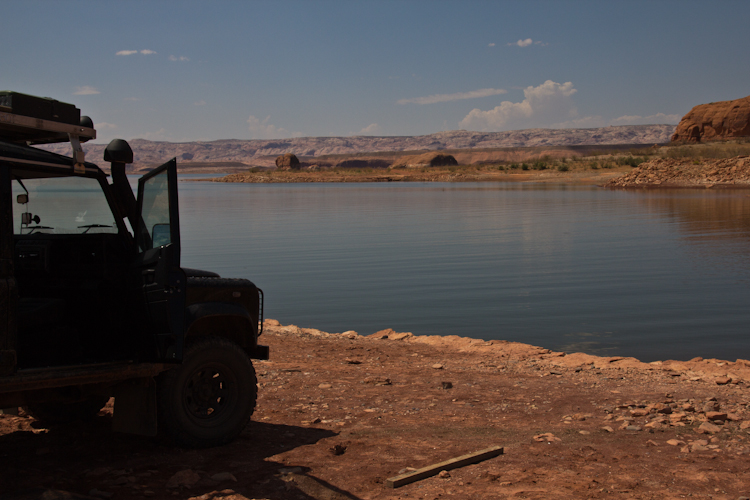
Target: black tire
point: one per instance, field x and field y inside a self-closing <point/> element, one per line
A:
<point x="55" y="413"/>
<point x="208" y="399"/>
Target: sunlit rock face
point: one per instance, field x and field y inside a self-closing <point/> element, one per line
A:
<point x="714" y="121"/>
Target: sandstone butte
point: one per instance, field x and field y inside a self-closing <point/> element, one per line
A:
<point x="340" y="413"/>
<point x="716" y="120"/>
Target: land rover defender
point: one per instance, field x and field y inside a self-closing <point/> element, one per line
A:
<point x="93" y="301"/>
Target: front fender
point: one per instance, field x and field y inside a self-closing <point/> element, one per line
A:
<point x="221" y="319"/>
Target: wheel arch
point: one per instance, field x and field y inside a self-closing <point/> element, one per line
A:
<point x="220" y="319"/>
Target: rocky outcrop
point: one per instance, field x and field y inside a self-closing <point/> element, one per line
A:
<point x="715" y="121"/>
<point x="685" y="172"/>
<point x="426" y="160"/>
<point x="287" y="161"/>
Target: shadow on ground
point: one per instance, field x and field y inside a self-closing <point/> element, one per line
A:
<point x="84" y="460"/>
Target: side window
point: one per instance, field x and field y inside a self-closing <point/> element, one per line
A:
<point x="155" y="213"/>
<point x="61" y="205"/>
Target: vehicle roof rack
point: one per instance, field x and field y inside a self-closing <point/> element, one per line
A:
<point x="41" y="120"/>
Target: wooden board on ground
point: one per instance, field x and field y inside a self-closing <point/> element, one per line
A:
<point x="454" y="463"/>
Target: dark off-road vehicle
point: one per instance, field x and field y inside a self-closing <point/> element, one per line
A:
<point x="93" y="301"/>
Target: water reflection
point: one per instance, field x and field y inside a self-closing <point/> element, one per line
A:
<point x="662" y="273"/>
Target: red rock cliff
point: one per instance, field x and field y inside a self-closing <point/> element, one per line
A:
<point x="717" y="120"/>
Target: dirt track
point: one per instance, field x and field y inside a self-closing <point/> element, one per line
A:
<point x="340" y="413"/>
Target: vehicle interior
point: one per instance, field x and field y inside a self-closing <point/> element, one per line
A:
<point x="71" y="263"/>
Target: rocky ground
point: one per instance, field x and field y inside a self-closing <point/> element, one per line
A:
<point x="688" y="172"/>
<point x="339" y="414"/>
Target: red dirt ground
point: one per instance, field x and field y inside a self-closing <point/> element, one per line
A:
<point x="338" y="414"/>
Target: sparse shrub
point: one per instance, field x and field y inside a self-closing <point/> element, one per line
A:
<point x="514" y="166"/>
<point x="540" y="165"/>
<point x="562" y="168"/>
<point x="594" y="165"/>
<point x="524" y="166"/>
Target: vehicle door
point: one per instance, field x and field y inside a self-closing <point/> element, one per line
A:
<point x="160" y="281"/>
<point x="7" y="282"/>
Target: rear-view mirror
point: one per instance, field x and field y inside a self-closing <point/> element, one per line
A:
<point x="160" y="235"/>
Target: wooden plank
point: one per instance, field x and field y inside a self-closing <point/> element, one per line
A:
<point x="454" y="463"/>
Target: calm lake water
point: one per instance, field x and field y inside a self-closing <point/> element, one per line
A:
<point x="660" y="274"/>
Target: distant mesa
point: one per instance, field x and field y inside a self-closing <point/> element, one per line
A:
<point x="287" y="161"/>
<point x="426" y="160"/>
<point x="715" y="121"/>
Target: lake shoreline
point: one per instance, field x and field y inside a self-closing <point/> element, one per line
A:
<point x="436" y="175"/>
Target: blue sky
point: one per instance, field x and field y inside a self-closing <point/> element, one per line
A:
<point x="200" y="70"/>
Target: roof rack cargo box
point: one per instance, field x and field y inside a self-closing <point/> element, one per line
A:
<point x="39" y="107"/>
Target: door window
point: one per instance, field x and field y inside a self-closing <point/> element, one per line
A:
<point x="155" y="213"/>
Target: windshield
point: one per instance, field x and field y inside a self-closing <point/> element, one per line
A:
<point x="61" y="205"/>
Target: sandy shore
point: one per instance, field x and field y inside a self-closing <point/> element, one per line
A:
<point x="340" y="413"/>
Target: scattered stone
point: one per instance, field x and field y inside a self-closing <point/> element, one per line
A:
<point x="708" y="428"/>
<point x="675" y="442"/>
<point x="584" y="433"/>
<point x="716" y="415"/>
<point x="607" y="428"/>
<point x="350" y="334"/>
<point x="651" y="442"/>
<point x="722" y="380"/>
<point x="324" y="386"/>
<point x="224" y="476"/>
<point x="639" y="412"/>
<point x="745" y="425"/>
<point x="400" y="336"/>
<point x="377" y="381"/>
<point x="633" y="428"/>
<point x="547" y="437"/>
<point x="437" y="366"/>
<point x="444" y="474"/>
<point x="184" y="479"/>
<point x="338" y="449"/>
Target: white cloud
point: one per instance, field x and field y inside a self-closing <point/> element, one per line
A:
<point x="145" y="52"/>
<point x="86" y="90"/>
<point x="200" y="103"/>
<point x="104" y="126"/>
<point x="261" y="129"/>
<point x="543" y="106"/>
<point x="490" y="45"/>
<point x="526" y="43"/>
<point x="432" y="99"/>
<point x="371" y="129"/>
<point x="180" y="58"/>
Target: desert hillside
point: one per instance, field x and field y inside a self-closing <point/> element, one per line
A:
<point x="241" y="153"/>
